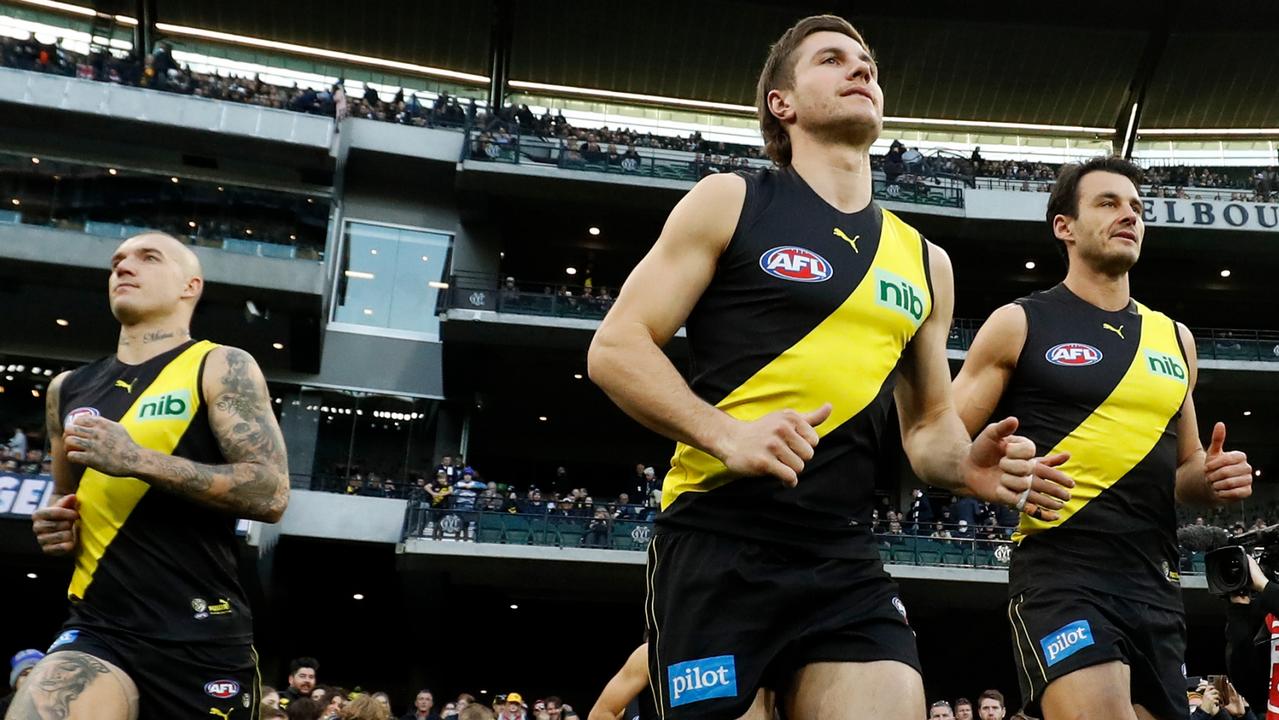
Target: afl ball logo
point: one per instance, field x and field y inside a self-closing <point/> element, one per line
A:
<point x="78" y="412"/>
<point x="796" y="263"/>
<point x="222" y="689"/>
<point x="1073" y="355"/>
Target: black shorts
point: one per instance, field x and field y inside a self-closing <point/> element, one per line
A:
<point x="727" y="616"/>
<point x="176" y="679"/>
<point x="1056" y="632"/>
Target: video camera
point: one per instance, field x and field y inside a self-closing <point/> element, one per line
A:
<point x="1227" y="567"/>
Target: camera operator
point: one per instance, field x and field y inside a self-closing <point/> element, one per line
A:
<point x="1252" y="640"/>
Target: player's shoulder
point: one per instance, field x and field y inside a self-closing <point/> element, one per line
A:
<point x="720" y="187"/>
<point x="225" y="365"/>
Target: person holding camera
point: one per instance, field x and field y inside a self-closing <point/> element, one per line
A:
<point x="1213" y="706"/>
<point x="1252" y="639"/>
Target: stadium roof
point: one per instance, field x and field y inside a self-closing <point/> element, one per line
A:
<point x="1078" y="64"/>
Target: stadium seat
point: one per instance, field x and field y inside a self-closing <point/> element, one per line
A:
<point x="929" y="552"/>
<point x="516" y="530"/>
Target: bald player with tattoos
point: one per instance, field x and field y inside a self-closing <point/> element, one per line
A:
<point x="157" y="450"/>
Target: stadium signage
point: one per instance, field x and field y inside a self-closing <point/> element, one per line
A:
<point x="1156" y="212"/>
<point x="22" y="495"/>
<point x="1201" y="213"/>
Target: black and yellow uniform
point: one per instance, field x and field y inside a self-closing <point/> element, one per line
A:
<point x="747" y="579"/>
<point x="154" y="589"/>
<point x="1101" y="582"/>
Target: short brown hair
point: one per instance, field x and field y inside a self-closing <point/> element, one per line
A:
<point x="779" y="74"/>
<point x="1064" y="199"/>
<point x="364" y="707"/>
<point x="991" y="695"/>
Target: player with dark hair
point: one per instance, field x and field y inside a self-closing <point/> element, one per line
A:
<point x="1095" y="607"/>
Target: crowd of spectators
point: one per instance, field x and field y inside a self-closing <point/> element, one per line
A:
<point x="303" y="698"/>
<point x="23" y="455"/>
<point x="615" y="148"/>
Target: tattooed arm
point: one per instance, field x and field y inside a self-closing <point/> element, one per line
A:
<point x="254" y="484"/>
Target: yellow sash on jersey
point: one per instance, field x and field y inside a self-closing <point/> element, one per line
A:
<point x="157" y="421"/>
<point x="1125" y="427"/>
<point x="844" y="360"/>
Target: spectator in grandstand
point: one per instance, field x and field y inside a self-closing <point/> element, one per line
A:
<point x="556" y="708"/>
<point x="964" y="509"/>
<point x="302" y="676"/>
<point x="990" y="705"/>
<point x="920" y="512"/>
<point x="18" y="442"/>
<point x="624" y="510"/>
<point x="271" y="712"/>
<point x="514" y="708"/>
<point x="319" y="694"/>
<point x="20" y="666"/>
<point x="304" y="708"/>
<point x="477" y="712"/>
<point x="940" y="710"/>
<point x="383" y="699"/>
<point x="423" y="706"/>
<point x="270" y="696"/>
<point x="366" y="707"/>
<point x="940" y="532"/>
<point x="597" y="532"/>
<point x="963" y="709"/>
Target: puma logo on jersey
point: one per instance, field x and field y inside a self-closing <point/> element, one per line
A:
<point x="1116" y="330"/>
<point x="128" y="386"/>
<point x="224" y="714"/>
<point x="851" y="241"/>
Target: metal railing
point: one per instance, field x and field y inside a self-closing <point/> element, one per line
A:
<point x="934" y="544"/>
<point x="478" y="291"/>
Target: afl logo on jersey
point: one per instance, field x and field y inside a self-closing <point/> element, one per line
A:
<point x="71" y="416"/>
<point x="1073" y="355"/>
<point x="796" y="263"/>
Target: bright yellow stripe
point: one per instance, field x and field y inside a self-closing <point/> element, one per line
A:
<point x="105" y="502"/>
<point x="844" y="360"/>
<point x="1122" y="430"/>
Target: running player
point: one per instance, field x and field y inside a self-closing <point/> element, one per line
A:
<point x="808" y="310"/>
<point x="1095" y="605"/>
<point x="156" y="451"/>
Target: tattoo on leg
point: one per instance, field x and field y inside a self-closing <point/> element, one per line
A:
<point x="58" y="682"/>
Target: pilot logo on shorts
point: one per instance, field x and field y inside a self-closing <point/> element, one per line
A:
<point x="67" y="637"/>
<point x="796" y="263"/>
<point x="696" y="680"/>
<point x="71" y="416"/>
<point x="1073" y="355"/>
<point x="222" y="689"/>
<point x="1066" y="641"/>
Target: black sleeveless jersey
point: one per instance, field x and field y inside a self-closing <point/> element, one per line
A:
<point x="808" y="305"/>
<point x="1107" y="387"/>
<point x="152" y="563"/>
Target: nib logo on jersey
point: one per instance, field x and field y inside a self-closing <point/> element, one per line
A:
<point x="1073" y="355"/>
<point x="705" y="679"/>
<point x="797" y="264"/>
<point x="173" y="405"/>
<point x="1066" y="641"/>
<point x="898" y="293"/>
<point x="1165" y="366"/>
